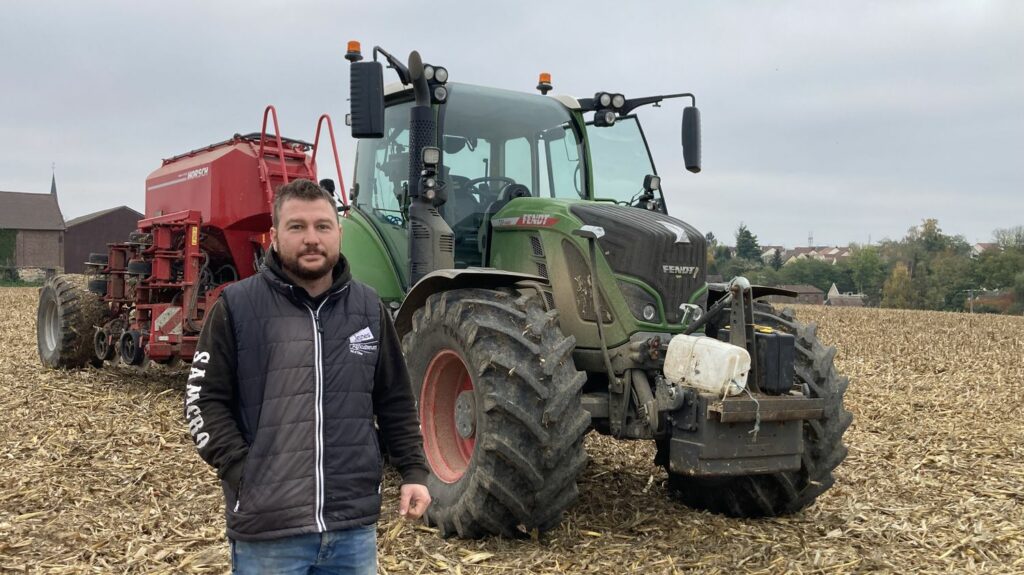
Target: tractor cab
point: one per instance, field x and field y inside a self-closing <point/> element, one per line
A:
<point x="497" y="146"/>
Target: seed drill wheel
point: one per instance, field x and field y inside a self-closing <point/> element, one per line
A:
<point x="785" y="492"/>
<point x="97" y="286"/>
<point x="102" y="346"/>
<point x="500" y="409"/>
<point x="97" y="259"/>
<point x="65" y="322"/>
<point x="139" y="268"/>
<point x="130" y="348"/>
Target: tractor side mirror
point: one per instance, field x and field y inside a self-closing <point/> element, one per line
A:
<point x="367" y="98"/>
<point x="454" y="144"/>
<point x="691" y="138"/>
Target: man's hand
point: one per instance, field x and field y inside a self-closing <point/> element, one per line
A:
<point x="414" y="502"/>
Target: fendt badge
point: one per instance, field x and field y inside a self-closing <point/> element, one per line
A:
<point x="681" y="270"/>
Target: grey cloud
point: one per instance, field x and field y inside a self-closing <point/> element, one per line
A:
<point x="862" y="118"/>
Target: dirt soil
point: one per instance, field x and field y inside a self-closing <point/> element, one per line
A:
<point x="98" y="473"/>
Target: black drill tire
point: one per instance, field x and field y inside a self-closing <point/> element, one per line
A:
<point x="138" y="267"/>
<point x="98" y="286"/>
<point x="782" y="493"/>
<point x="66" y="322"/>
<point x="98" y="258"/>
<point x="529" y="433"/>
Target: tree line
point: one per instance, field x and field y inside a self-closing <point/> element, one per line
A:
<point x="926" y="269"/>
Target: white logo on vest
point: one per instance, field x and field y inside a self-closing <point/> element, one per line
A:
<point x="361" y="342"/>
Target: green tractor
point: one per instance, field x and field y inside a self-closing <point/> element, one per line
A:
<point x="542" y="291"/>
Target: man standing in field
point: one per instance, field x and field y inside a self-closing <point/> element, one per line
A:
<point x="291" y="368"/>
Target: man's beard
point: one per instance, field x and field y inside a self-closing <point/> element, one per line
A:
<point x="295" y="268"/>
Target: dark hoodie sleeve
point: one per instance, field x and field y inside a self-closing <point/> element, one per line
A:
<point x="210" y="394"/>
<point x="395" y="407"/>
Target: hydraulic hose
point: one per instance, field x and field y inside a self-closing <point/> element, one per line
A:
<point x="713" y="311"/>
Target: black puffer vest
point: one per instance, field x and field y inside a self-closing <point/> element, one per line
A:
<point x="305" y="377"/>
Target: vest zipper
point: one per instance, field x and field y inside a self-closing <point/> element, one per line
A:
<point x="318" y="360"/>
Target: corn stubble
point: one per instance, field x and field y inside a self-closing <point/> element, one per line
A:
<point x="97" y="472"/>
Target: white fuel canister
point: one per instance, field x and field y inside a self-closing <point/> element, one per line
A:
<point x="707" y="365"/>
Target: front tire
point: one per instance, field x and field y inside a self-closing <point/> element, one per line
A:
<point x="66" y="322"/>
<point x="501" y="412"/>
<point x="787" y="492"/>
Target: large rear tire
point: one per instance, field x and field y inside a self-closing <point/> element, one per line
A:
<point x="501" y="412"/>
<point x="785" y="492"/>
<point x="66" y="322"/>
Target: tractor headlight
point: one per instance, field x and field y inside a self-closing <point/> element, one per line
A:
<point x="642" y="303"/>
<point x="604" y="118"/>
<point x="441" y="74"/>
<point x="440" y="93"/>
<point x="431" y="156"/>
<point x="428" y="72"/>
<point x="604" y="99"/>
<point x="618" y="101"/>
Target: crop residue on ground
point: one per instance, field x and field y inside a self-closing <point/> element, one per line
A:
<point x="98" y="473"/>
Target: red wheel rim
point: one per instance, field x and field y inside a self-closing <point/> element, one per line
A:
<point x="448" y="452"/>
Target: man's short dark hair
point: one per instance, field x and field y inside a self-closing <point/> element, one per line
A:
<point x="300" y="189"/>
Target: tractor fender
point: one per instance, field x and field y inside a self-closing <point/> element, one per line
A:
<point x="449" y="279"/>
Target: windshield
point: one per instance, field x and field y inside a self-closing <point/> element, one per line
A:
<point x="383" y="165"/>
<point x="498" y="143"/>
<point x="505" y="137"/>
<point x="620" y="159"/>
<point x="382" y="171"/>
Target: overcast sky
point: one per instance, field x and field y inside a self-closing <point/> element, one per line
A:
<point x="848" y="120"/>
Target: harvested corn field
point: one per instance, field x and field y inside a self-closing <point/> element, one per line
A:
<point x="98" y="474"/>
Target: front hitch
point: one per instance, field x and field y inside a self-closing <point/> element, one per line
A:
<point x="742" y="315"/>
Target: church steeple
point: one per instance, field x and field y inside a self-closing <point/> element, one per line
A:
<point x="53" y="192"/>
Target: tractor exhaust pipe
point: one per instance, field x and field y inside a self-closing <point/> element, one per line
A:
<point x="422" y="127"/>
<point x="420" y="88"/>
<point x="431" y="241"/>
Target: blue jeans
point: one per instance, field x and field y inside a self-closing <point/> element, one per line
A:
<point x="348" y="552"/>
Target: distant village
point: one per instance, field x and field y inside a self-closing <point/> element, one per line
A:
<point x="806" y="293"/>
<point x="780" y="256"/>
